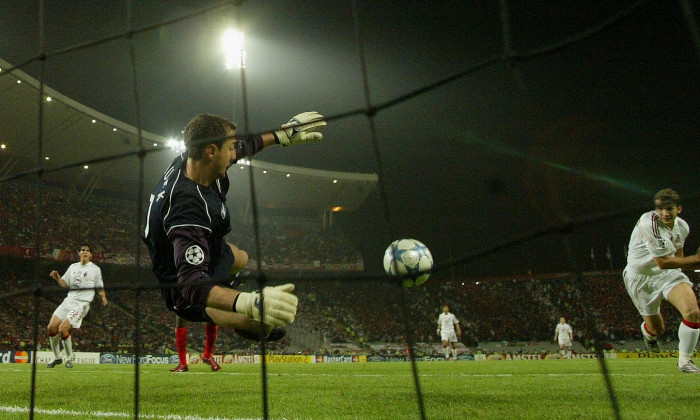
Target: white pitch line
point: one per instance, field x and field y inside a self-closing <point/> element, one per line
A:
<point x="112" y="414"/>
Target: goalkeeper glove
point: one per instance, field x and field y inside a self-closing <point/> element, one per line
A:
<point x="301" y="129"/>
<point x="280" y="305"/>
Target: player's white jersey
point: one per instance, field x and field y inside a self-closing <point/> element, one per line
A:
<point x="652" y="239"/>
<point x="87" y="277"/>
<point x="563" y="331"/>
<point x="447" y="321"/>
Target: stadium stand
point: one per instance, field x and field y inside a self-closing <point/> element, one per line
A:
<point x="340" y="318"/>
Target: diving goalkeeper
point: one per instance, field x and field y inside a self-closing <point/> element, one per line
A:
<point x="188" y="218"/>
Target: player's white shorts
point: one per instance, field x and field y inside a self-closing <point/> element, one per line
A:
<point x="566" y="342"/>
<point x="73" y="310"/>
<point x="647" y="292"/>
<point x="450" y="336"/>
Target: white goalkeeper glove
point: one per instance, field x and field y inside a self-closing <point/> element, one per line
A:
<point x="280" y="305"/>
<point x="301" y="129"/>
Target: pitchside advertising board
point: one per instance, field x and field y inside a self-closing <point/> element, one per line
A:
<point x="81" y="358"/>
<point x="15" y="356"/>
<point x="43" y="357"/>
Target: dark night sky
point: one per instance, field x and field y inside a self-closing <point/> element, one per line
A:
<point x="590" y="129"/>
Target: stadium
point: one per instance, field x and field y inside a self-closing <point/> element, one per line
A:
<point x="519" y="143"/>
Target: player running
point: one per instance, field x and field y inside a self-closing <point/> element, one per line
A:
<point x="188" y="218"/>
<point x="447" y="324"/>
<point x="81" y="279"/>
<point x="653" y="273"/>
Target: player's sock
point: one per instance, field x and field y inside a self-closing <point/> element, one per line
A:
<point x="568" y="354"/>
<point x="688" y="333"/>
<point x="454" y="353"/>
<point x="68" y="345"/>
<point x="55" y="341"/>
<point x="181" y="344"/>
<point x="447" y="353"/>
<point x="210" y="339"/>
<point x="646" y="332"/>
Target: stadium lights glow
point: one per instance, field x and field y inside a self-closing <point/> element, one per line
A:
<point x="2" y="146"/>
<point x="265" y="171"/>
<point x="336" y="208"/>
<point x="114" y="129"/>
<point x="288" y="175"/>
<point x="335" y="181"/>
<point x="233" y="49"/>
<point x="85" y="167"/>
<point x="176" y="145"/>
<point x="19" y="81"/>
<point x="48" y="99"/>
<point x="155" y="144"/>
<point x="94" y="121"/>
<point x="47" y="158"/>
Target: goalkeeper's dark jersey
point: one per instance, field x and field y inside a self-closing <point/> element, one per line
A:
<point x="184" y="232"/>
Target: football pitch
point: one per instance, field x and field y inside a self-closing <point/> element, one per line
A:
<point x="548" y="389"/>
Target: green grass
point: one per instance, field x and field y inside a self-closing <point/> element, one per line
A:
<point x="549" y="389"/>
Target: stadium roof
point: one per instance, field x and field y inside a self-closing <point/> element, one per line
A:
<point x="75" y="136"/>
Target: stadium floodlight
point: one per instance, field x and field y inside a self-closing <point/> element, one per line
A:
<point x="233" y="49"/>
<point x="176" y="145"/>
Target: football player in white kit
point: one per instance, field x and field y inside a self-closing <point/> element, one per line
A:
<point x="82" y="279"/>
<point x="447" y="324"/>
<point x="564" y="335"/>
<point x="653" y="273"/>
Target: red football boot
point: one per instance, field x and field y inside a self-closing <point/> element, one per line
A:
<point x="180" y="368"/>
<point x="211" y="362"/>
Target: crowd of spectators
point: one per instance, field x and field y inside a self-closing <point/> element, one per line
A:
<point x="331" y="313"/>
<point x="108" y="224"/>
<point x="353" y="314"/>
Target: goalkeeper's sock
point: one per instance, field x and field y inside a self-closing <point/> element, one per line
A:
<point x="181" y="344"/>
<point x="688" y="334"/>
<point x="55" y="341"/>
<point x="210" y="339"/>
<point x="68" y="345"/>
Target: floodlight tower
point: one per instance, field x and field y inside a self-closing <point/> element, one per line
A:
<point x="235" y="59"/>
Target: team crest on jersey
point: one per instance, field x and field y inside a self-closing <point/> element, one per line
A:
<point x="194" y="255"/>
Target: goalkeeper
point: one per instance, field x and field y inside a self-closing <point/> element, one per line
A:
<point x="188" y="218"/>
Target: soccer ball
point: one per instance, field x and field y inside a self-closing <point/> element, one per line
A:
<point x="410" y="260"/>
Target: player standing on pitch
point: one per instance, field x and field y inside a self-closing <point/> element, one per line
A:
<point x="565" y="335"/>
<point x="653" y="273"/>
<point x="82" y="279"/>
<point x="188" y="218"/>
<point x="447" y="323"/>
